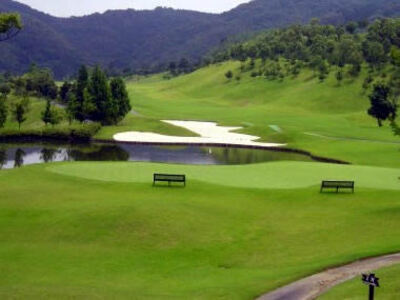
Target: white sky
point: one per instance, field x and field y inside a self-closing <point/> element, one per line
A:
<point x="66" y="8"/>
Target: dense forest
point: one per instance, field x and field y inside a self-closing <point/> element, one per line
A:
<point x="130" y="41"/>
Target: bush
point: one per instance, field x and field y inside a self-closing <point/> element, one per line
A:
<point x="229" y="74"/>
<point x="78" y="132"/>
<point x="254" y="74"/>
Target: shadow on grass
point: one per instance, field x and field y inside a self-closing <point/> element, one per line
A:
<point x="166" y="186"/>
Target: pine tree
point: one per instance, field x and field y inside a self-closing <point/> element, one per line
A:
<point x="72" y="107"/>
<point x="106" y="110"/>
<point x="19" y="112"/>
<point x="120" y="97"/>
<point x="81" y="85"/>
<point x="46" y="114"/>
<point x="3" y="112"/>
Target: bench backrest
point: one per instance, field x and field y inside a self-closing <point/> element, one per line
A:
<point x="169" y="177"/>
<point x="337" y="183"/>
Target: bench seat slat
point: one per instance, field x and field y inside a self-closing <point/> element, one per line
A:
<point x="169" y="178"/>
<point x="337" y="184"/>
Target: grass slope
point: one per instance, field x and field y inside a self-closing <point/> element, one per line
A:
<point x="298" y="106"/>
<point x="64" y="236"/>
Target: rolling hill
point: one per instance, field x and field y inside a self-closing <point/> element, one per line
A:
<point x="133" y="39"/>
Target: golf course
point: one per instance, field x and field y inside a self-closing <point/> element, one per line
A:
<point x="101" y="230"/>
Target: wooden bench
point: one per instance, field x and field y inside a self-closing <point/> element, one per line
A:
<point x="336" y="184"/>
<point x="169" y="178"/>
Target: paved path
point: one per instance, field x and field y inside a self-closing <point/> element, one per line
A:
<point x="313" y="286"/>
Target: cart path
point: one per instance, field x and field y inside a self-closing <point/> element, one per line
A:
<point x="313" y="286"/>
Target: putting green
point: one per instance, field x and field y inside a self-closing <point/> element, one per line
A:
<point x="276" y="175"/>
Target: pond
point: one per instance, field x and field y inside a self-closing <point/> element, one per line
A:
<point x="16" y="155"/>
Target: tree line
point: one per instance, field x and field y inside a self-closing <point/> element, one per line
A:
<point x="320" y="46"/>
<point x="92" y="96"/>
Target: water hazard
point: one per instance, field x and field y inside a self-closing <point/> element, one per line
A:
<point x="18" y="155"/>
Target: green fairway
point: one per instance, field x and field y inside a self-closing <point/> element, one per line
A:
<point x="354" y="290"/>
<point x="100" y="230"/>
<point x="307" y="112"/>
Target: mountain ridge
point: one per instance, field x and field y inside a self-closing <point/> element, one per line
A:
<point x="120" y="39"/>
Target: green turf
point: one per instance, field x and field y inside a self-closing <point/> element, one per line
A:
<point x="354" y="290"/>
<point x="300" y="107"/>
<point x="276" y="175"/>
<point x="64" y="236"/>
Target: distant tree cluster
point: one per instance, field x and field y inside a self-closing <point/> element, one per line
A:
<point x="184" y="66"/>
<point x="93" y="97"/>
<point x="321" y="46"/>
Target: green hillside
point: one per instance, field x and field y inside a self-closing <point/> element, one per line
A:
<point x="324" y="118"/>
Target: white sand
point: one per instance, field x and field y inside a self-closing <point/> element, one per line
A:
<point x="210" y="133"/>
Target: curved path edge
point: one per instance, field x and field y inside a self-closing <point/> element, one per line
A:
<point x="315" y="285"/>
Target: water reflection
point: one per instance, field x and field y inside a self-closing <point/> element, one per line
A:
<point x="19" y="158"/>
<point x="3" y="157"/>
<point x="17" y="155"/>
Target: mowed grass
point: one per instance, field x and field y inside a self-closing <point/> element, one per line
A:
<point x="355" y="290"/>
<point x="310" y="114"/>
<point x="272" y="175"/>
<point x="101" y="230"/>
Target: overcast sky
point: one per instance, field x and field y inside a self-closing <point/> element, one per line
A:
<point x="66" y="8"/>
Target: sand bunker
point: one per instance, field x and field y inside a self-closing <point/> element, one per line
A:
<point x="210" y="134"/>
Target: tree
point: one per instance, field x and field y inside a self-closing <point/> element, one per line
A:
<point x="184" y="65"/>
<point x="72" y="107"/>
<point x="367" y="82"/>
<point x="81" y="86"/>
<point x="172" y="68"/>
<point x="106" y="110"/>
<point x="5" y="90"/>
<point x="19" y="112"/>
<point x="323" y="71"/>
<point x="120" y="97"/>
<point x="351" y="27"/>
<point x="316" y="63"/>
<point x="46" y="114"/>
<point x="10" y="25"/>
<point x="41" y="82"/>
<point x="3" y="112"/>
<point x="56" y="115"/>
<point x="381" y="107"/>
<point x="339" y="76"/>
<point x="395" y="56"/>
<point x="374" y="53"/>
<point x="64" y="90"/>
<point x="229" y="75"/>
